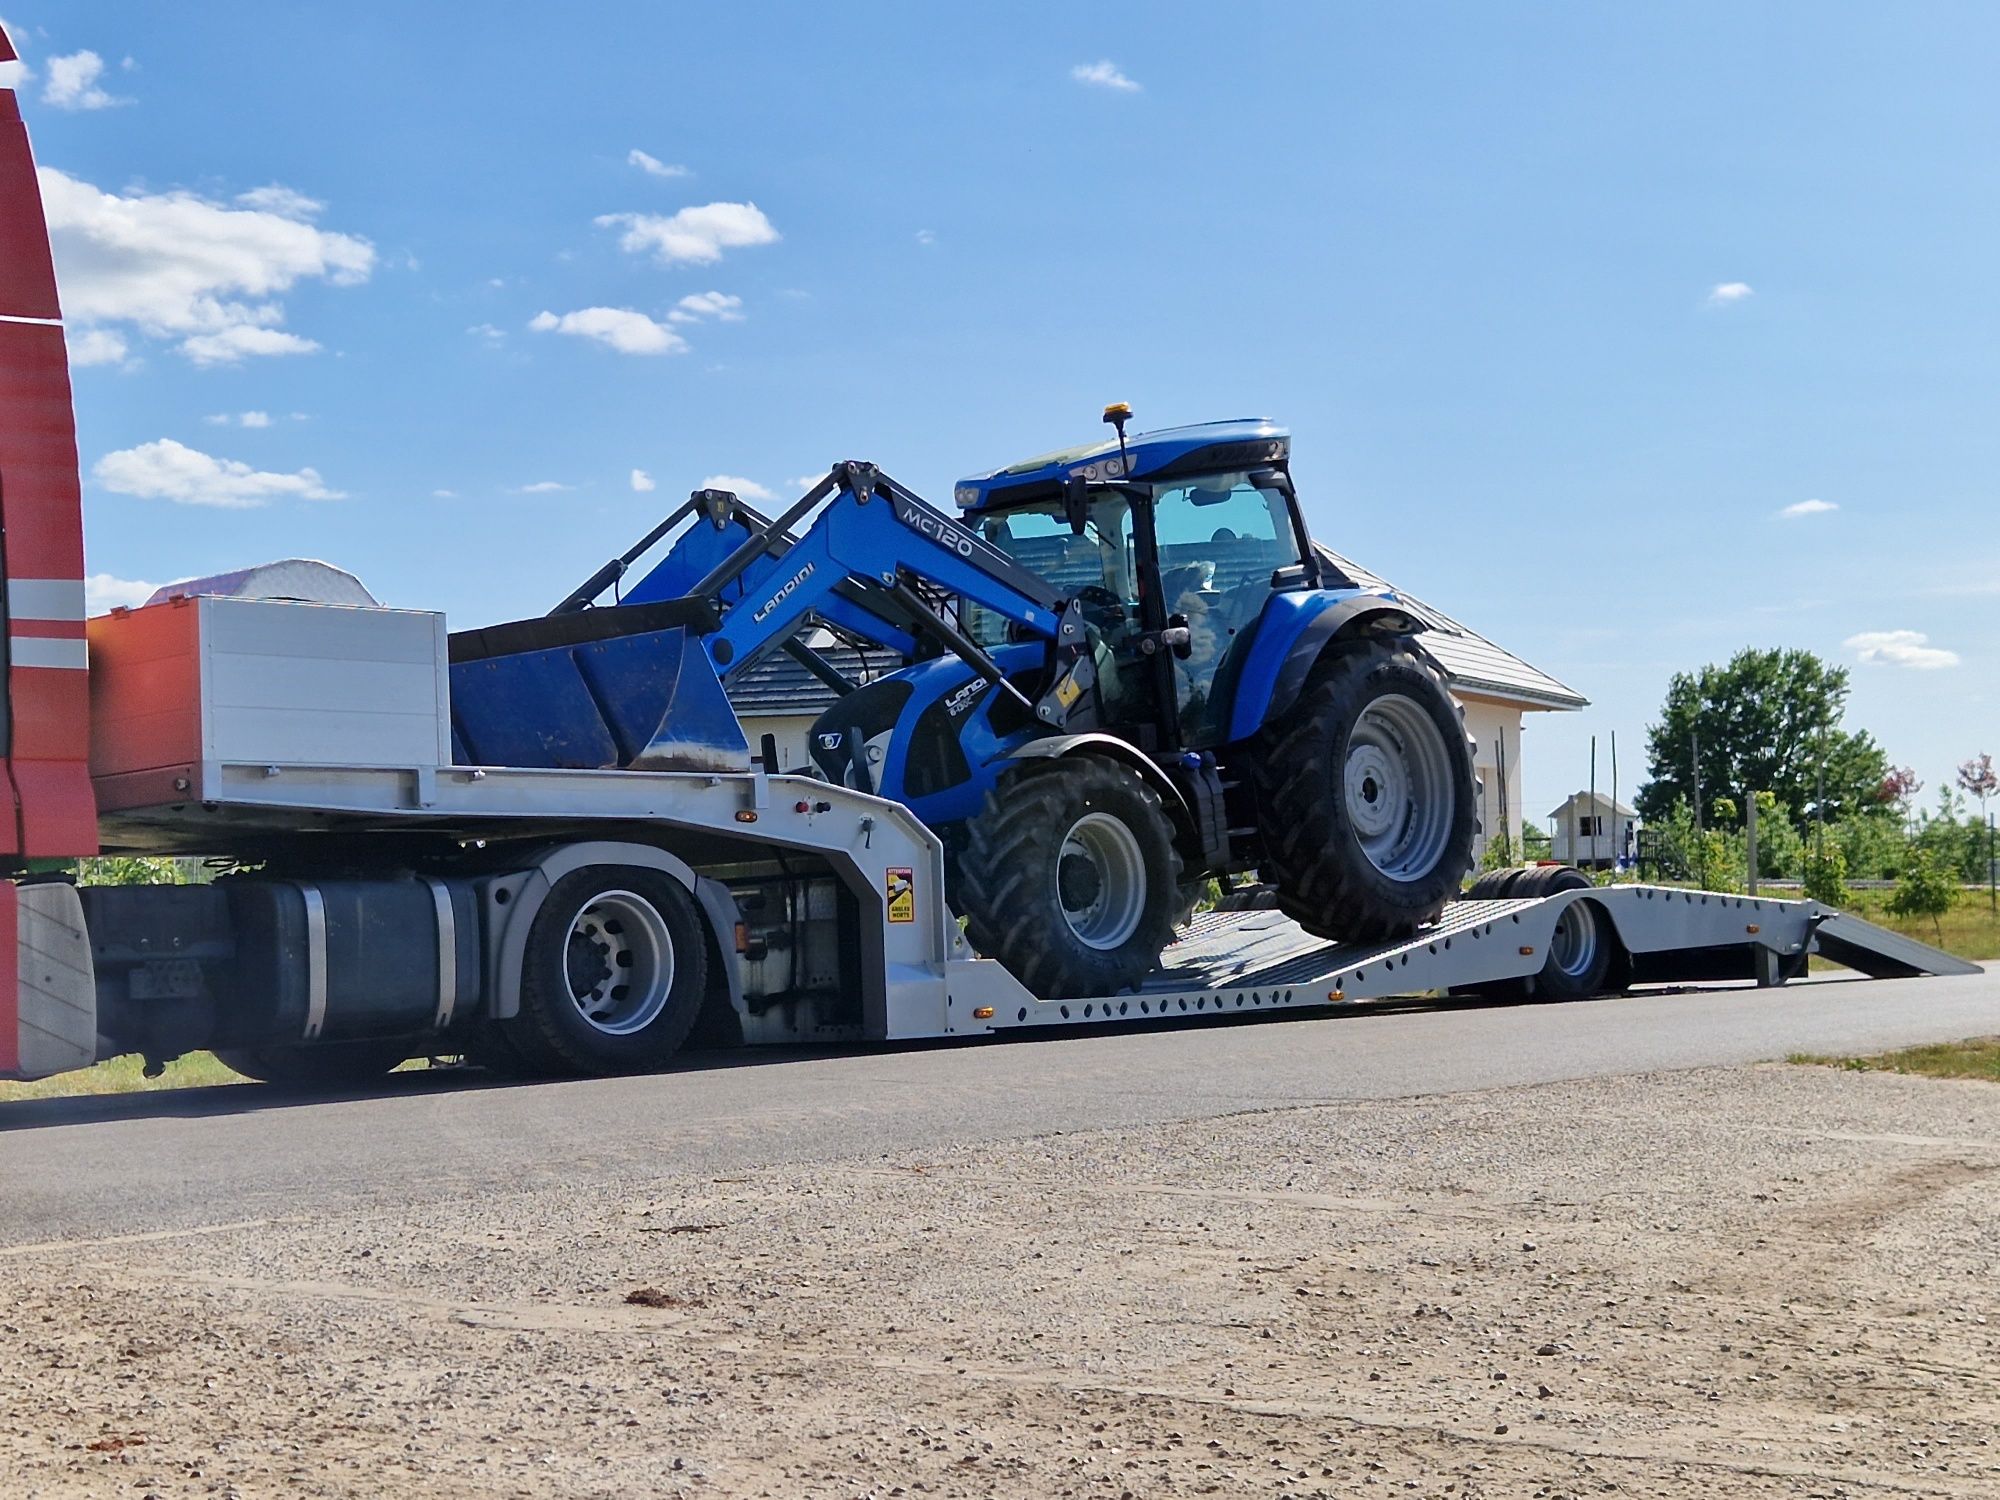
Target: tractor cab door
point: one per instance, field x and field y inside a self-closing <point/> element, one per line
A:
<point x="1222" y="541"/>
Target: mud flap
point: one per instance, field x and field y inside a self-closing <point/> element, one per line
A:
<point x="48" y="988"/>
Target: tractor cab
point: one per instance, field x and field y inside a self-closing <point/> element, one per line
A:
<point x="1171" y="543"/>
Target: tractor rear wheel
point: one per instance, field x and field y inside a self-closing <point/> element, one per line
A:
<point x="1069" y="877"/>
<point x="1366" y="797"/>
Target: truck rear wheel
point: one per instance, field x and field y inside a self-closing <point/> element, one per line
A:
<point x="1367" y="798"/>
<point x="329" y="1065"/>
<point x="614" y="973"/>
<point x="1070" y="878"/>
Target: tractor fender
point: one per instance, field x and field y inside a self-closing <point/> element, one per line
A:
<point x="1055" y="746"/>
<point x="1288" y="659"/>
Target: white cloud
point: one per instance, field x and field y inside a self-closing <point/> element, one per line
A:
<point x="167" y="470"/>
<point x="286" y="203"/>
<point x="1104" y="75"/>
<point x="1808" y="508"/>
<point x="242" y="340"/>
<point x="698" y="305"/>
<point x="444" y="494"/>
<point x="176" y="266"/>
<point x="72" y="83"/>
<point x="254" y="419"/>
<point x="238" y="419"/>
<point x="1901" y="648"/>
<point x="102" y="592"/>
<point x="643" y="482"/>
<point x="97" y="346"/>
<point x="1725" y="292"/>
<point x="652" y="166"/>
<point x="615" y="327"/>
<point x="926" y="236"/>
<point x="804" y="482"/>
<point x="544" y="487"/>
<point x="695" y="236"/>
<point x="737" y="485"/>
<point x="487" y="332"/>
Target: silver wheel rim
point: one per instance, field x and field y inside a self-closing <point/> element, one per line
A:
<point x="1399" y="787"/>
<point x="618" y="961"/>
<point x="1573" y="948"/>
<point x="1101" y="881"/>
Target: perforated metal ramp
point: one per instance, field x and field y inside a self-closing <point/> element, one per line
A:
<point x="1262" y="960"/>
<point x="1882" y="954"/>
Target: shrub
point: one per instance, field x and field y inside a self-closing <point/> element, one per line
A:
<point x="1826" y="876"/>
<point x="1925" y="890"/>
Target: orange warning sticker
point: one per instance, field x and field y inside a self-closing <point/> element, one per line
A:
<point x="902" y="892"/>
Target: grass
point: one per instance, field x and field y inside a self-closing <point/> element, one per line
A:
<point x="125" y="1075"/>
<point x="1977" y="1058"/>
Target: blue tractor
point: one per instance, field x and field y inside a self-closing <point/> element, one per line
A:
<point x="1129" y="672"/>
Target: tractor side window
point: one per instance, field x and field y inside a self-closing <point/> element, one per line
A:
<point x="1097" y="568"/>
<point x="1220" y="538"/>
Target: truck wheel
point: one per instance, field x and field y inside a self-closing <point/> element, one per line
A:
<point x="1495" y="885"/>
<point x="331" y="1065"/>
<point x="1070" y="878"/>
<point x="1367" y="798"/>
<point x="613" y="975"/>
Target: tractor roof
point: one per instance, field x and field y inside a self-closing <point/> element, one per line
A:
<point x="1241" y="443"/>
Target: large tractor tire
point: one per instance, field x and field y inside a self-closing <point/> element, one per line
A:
<point x="331" y="1065"/>
<point x="1366" y="796"/>
<point x="614" y="973"/>
<point x="1069" y="877"/>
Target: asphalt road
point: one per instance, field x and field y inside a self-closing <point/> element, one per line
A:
<point x="79" y="1169"/>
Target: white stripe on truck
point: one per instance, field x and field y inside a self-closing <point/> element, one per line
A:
<point x="45" y="598"/>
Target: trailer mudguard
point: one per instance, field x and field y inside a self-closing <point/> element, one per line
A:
<point x="1292" y="632"/>
<point x="512" y="901"/>
<point x="48" y="985"/>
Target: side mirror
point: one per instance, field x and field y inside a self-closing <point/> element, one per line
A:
<point x="1076" y="502"/>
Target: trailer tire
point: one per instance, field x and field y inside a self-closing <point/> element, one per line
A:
<point x="1373" y="732"/>
<point x="1496" y="885"/>
<point x="1070" y="877"/>
<point x="614" y="973"/>
<point x="1585" y="958"/>
<point x="329" y="1065"/>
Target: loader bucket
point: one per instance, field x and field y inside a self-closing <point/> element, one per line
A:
<point x="628" y="688"/>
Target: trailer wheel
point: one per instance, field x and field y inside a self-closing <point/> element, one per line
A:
<point x="1495" y="885"/>
<point x="332" y="1065"/>
<point x="1070" y="878"/>
<point x="614" y="973"/>
<point x="1580" y="952"/>
<point x="1366" y="797"/>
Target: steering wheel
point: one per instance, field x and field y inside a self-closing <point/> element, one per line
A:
<point x="1100" y="606"/>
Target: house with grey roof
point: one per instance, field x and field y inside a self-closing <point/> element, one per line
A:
<point x="1498" y="690"/>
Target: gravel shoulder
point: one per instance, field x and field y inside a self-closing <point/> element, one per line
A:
<point x="1750" y="1281"/>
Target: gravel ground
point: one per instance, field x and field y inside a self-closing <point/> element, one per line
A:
<point x="1745" y="1282"/>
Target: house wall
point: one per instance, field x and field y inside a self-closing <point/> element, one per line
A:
<point x="794" y="752"/>
<point x="1609" y="846"/>
<point x="1492" y="724"/>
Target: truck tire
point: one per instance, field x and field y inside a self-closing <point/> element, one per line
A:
<point x="1366" y="797"/>
<point x="613" y="975"/>
<point x="1495" y="885"/>
<point x="1070" y="877"/>
<point x="330" y="1065"/>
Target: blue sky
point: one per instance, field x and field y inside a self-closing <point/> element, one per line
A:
<point x="1566" y="307"/>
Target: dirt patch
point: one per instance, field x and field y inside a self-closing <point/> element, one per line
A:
<point x="1755" y="1282"/>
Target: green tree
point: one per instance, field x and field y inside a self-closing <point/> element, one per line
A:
<point x="1927" y="889"/>
<point x="1826" y="876"/>
<point x="1768" y="720"/>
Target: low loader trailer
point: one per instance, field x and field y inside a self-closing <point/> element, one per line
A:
<point x="546" y="846"/>
<point x="387" y="902"/>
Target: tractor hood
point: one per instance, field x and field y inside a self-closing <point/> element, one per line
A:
<point x="1241" y="443"/>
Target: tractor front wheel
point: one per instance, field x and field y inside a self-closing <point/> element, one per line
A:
<point x="1367" y="797"/>
<point x="1069" y="877"/>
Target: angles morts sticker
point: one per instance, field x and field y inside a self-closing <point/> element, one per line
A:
<point x="901" y="889"/>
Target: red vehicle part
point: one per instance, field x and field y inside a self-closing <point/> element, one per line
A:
<point x="46" y="806"/>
